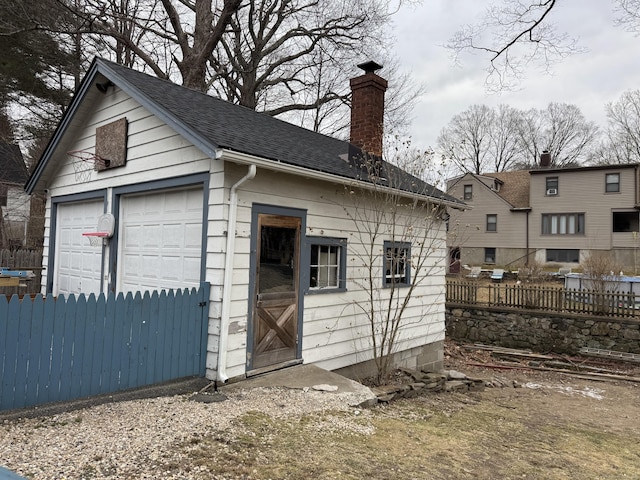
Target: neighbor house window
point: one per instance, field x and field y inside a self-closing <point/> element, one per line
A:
<point x="327" y="264"/>
<point x="468" y="192"/>
<point x="551" y="185"/>
<point x="563" y="224"/>
<point x="492" y="222"/>
<point x="625" y="222"/>
<point x="612" y="183"/>
<point x="490" y="255"/>
<point x="564" y="255"/>
<point x="397" y="264"/>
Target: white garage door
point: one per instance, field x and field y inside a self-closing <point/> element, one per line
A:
<point x="160" y="240"/>
<point x="77" y="265"/>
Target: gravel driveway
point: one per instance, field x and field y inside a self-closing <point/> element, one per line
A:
<point x="148" y="438"/>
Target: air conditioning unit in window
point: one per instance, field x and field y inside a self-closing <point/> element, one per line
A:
<point x="552" y="191"/>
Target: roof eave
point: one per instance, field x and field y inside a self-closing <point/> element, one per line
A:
<point x="247" y="159"/>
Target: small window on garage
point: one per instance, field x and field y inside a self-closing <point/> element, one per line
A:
<point x="397" y="264"/>
<point x="327" y="264"/>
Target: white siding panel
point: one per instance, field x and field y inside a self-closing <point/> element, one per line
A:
<point x="333" y="328"/>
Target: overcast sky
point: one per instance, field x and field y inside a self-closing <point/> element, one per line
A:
<point x="588" y="80"/>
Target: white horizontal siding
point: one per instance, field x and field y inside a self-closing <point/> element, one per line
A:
<point x="154" y="152"/>
<point x="332" y="328"/>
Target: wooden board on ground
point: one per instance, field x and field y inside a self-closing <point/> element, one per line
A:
<point x="9" y="281"/>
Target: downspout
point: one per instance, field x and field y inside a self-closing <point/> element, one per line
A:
<point x="527" y="238"/>
<point x="221" y="369"/>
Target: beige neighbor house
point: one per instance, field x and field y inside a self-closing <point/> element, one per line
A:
<point x="556" y="216"/>
<point x="189" y="189"/>
<point x="14" y="202"/>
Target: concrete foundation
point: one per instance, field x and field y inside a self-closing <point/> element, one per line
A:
<point x="427" y="357"/>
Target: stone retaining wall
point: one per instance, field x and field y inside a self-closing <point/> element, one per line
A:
<point x="542" y="332"/>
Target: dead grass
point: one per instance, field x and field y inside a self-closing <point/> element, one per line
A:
<point x="553" y="431"/>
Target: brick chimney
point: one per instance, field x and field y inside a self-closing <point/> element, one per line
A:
<point x="545" y="159"/>
<point x="367" y="109"/>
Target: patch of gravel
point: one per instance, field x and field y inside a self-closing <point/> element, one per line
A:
<point x="149" y="438"/>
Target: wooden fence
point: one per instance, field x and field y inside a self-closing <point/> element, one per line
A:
<point x="544" y="298"/>
<point x="22" y="260"/>
<point x="63" y="348"/>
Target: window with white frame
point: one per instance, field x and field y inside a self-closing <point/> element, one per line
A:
<point x="563" y="224"/>
<point x="397" y="264"/>
<point x="612" y="183"/>
<point x="327" y="264"/>
<point x="551" y="186"/>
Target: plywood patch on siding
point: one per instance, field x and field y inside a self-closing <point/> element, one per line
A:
<point x="111" y="144"/>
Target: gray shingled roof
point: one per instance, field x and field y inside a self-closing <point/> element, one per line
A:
<point x="241" y="129"/>
<point x="211" y="123"/>
<point x="12" y="167"/>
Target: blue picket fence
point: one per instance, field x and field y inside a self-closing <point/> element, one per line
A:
<point x="64" y="348"/>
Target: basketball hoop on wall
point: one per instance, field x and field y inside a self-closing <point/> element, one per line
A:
<point x="106" y="227"/>
<point x="84" y="162"/>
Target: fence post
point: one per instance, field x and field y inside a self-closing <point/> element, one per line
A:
<point x="204" y="291"/>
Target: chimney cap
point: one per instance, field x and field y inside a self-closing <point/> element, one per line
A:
<point x="370" y="66"/>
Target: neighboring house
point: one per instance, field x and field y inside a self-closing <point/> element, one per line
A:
<point x="553" y="215"/>
<point x="204" y="190"/>
<point x="14" y="202"/>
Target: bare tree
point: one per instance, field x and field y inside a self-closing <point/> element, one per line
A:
<point x="281" y="57"/>
<point x="560" y="129"/>
<point x="622" y="142"/>
<point x="295" y="57"/>
<point x="517" y="34"/>
<point x="602" y="275"/>
<point x="628" y="15"/>
<point x="483" y="139"/>
<point x="397" y="241"/>
<point x="188" y="30"/>
<point x="505" y="149"/>
<point x="514" y="35"/>
<point x="466" y="139"/>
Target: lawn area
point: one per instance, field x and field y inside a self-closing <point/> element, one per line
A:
<point x="550" y="428"/>
<point x="537" y="425"/>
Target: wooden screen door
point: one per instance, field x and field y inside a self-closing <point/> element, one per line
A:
<point x="275" y="311"/>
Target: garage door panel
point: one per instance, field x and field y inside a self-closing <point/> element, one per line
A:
<point x="161" y="240"/>
<point x="77" y="265"/>
<point x="193" y="232"/>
